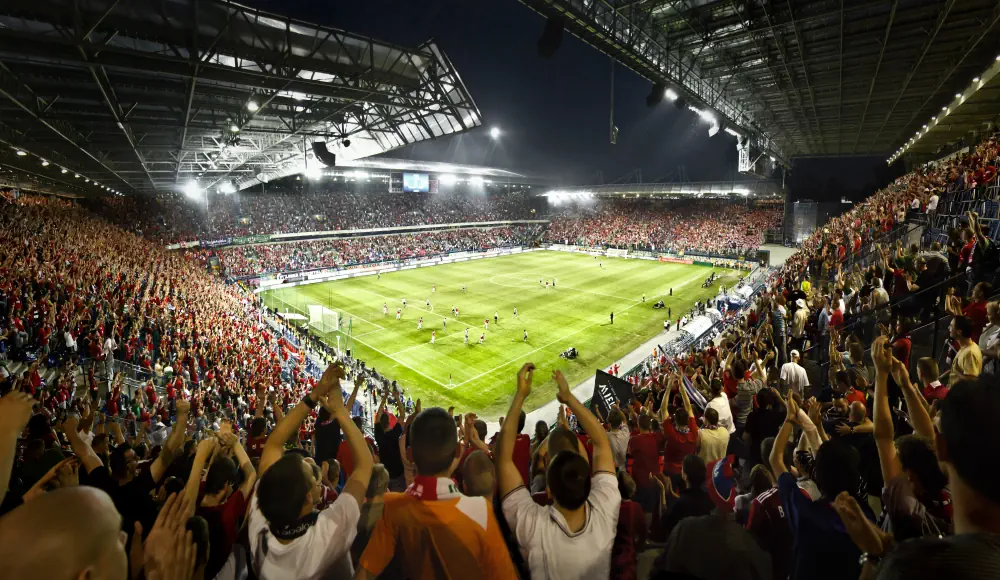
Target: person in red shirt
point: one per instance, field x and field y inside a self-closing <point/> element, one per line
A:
<point x="965" y="255"/>
<point x="927" y="374"/>
<point x="645" y="462"/>
<point x="680" y="433"/>
<point x="837" y="317"/>
<point x="975" y="310"/>
<point x="901" y="345"/>
<point x="631" y="532"/>
<point x="522" y="451"/>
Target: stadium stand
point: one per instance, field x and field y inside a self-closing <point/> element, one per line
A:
<point x="701" y="226"/>
<point x="338" y="253"/>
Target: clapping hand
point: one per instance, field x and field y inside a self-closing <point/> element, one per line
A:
<point x="169" y="551"/>
<point x="524" y="378"/>
<point x="564" y="395"/>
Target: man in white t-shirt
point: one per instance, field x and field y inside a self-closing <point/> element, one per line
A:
<point x="720" y="402"/>
<point x="932" y="203"/>
<point x="793" y="376"/>
<point x="288" y="538"/>
<point x="573" y="537"/>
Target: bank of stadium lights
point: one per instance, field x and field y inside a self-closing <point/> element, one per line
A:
<point x="476" y="180"/>
<point x="45" y="163"/>
<point x="227" y="188"/>
<point x="495" y="132"/>
<point x="671" y="94"/>
<point x="313" y="173"/>
<point x="252" y="106"/>
<point x="977" y="83"/>
<point x="21" y="153"/>
<point x="447" y="179"/>
<point x="63" y="170"/>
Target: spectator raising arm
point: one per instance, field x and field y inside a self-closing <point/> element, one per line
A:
<point x="357" y="484"/>
<point x="603" y="458"/>
<point x="15" y="410"/>
<point x="275" y="446"/>
<point x="174" y="443"/>
<point x="202" y="458"/>
<point x="916" y="406"/>
<point x="81" y="448"/>
<point x="777" y="457"/>
<point x="507" y="473"/>
<point x="881" y="414"/>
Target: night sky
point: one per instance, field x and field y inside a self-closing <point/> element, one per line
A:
<point x="554" y="113"/>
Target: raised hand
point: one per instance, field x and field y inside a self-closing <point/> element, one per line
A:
<point x="331" y="377"/>
<point x="563" y="395"/>
<point x="791" y="410"/>
<point x="183" y="407"/>
<point x="15" y="410"/>
<point x="863" y="533"/>
<point x="169" y="552"/>
<point x="882" y="355"/>
<point x="524" y="378"/>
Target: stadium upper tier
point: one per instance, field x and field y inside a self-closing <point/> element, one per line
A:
<point x="705" y="226"/>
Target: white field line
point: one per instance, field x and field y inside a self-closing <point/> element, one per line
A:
<point x="401" y="363"/>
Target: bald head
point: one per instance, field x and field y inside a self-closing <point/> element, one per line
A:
<point x="858" y="412"/>
<point x="64" y="534"/>
<point x="478" y="474"/>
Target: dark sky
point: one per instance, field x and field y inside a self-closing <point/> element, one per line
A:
<point x="554" y="113"/>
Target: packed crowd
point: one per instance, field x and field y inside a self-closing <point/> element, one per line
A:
<point x="344" y="252"/>
<point x="702" y="225"/>
<point x="172" y="218"/>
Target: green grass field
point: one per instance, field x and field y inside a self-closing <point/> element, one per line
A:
<point x="480" y="378"/>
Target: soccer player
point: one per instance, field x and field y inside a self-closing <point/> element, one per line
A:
<point x="496" y="317"/>
<point x="444" y="322"/>
<point x="539" y="281"/>
<point x="482" y="338"/>
<point x="644" y="298"/>
<point x="525" y="335"/>
<point x="428" y="302"/>
<point x="399" y="313"/>
<point x="404" y="302"/>
<point x="378" y="275"/>
<point x="601" y="264"/>
<point x="456" y="313"/>
<point x="553" y="283"/>
<point x="385" y="309"/>
<point x="433" y="336"/>
<point x="612" y="318"/>
<point x="486" y="324"/>
<point x="420" y="323"/>
<point x="466" y="336"/>
<point x="463" y="287"/>
<point x="434" y="288"/>
<point x="515" y="312"/>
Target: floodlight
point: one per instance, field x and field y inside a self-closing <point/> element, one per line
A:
<point x="495" y="132"/>
<point x="252" y="106"/>
<point x="21" y="153"/>
<point x="477" y="180"/>
<point x="447" y="179"/>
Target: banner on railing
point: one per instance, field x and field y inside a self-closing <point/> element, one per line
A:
<point x="216" y="243"/>
<point x="259" y="239"/>
<point x="184" y="245"/>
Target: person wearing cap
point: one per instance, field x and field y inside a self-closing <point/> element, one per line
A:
<point x="793" y="377"/>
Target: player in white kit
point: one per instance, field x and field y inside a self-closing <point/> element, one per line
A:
<point x="466" y="336"/>
<point x="399" y="314"/>
<point x="525" y="335"/>
<point x="433" y="335"/>
<point x="486" y="324"/>
<point x="420" y="323"/>
<point x="385" y="309"/>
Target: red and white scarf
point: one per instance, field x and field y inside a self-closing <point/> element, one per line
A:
<point x="426" y="488"/>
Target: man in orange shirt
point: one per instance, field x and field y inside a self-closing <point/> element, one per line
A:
<point x="436" y="530"/>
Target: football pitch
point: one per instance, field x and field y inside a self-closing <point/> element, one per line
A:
<point x="480" y="377"/>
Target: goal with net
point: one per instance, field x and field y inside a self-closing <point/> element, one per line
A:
<point x="323" y="319"/>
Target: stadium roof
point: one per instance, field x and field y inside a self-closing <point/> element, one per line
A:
<point x="803" y="77"/>
<point x="151" y="95"/>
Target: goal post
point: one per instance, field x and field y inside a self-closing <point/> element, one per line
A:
<point x="323" y="319"/>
